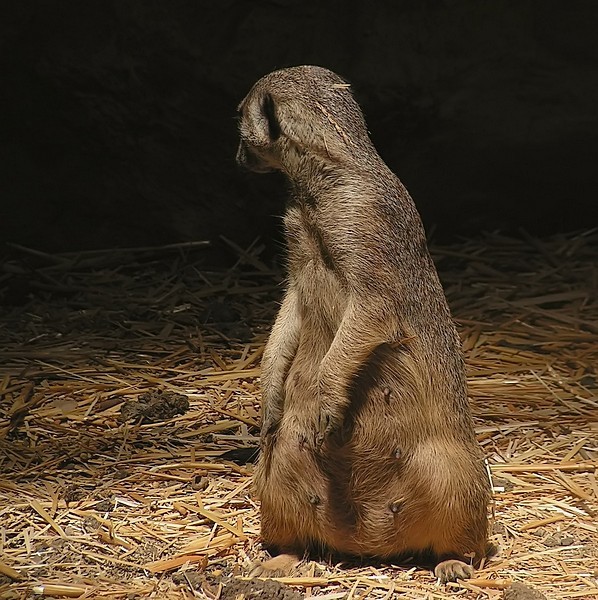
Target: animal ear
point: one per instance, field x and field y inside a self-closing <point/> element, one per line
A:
<point x="270" y="113"/>
<point x="261" y="116"/>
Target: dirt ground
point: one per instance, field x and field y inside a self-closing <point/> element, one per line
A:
<point x="126" y="375"/>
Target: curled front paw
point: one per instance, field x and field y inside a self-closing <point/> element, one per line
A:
<point x="328" y="423"/>
<point x="270" y="423"/>
<point x="313" y="433"/>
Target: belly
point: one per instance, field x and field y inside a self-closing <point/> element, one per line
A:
<point x="395" y="485"/>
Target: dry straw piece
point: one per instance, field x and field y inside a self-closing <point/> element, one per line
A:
<point x="96" y="505"/>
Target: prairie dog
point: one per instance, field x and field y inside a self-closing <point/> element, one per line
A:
<point x="368" y="445"/>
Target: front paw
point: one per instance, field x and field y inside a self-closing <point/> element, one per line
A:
<point x="270" y="423"/>
<point x="329" y="422"/>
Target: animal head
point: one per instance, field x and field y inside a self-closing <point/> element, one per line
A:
<point x="298" y="112"/>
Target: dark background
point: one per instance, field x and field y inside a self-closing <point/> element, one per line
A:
<point x="118" y="117"/>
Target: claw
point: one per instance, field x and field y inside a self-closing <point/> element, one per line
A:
<point x="269" y="427"/>
<point x="266" y="441"/>
<point x="451" y="570"/>
<point x="268" y="436"/>
<point x="327" y="424"/>
<point x="319" y="440"/>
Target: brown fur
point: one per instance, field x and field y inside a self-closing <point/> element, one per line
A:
<point x="368" y="443"/>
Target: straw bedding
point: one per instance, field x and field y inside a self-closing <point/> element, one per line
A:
<point x="124" y="375"/>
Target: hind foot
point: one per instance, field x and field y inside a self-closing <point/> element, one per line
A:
<point x="451" y="570"/>
<point x="279" y="566"/>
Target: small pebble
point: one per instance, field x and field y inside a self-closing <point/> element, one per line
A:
<point x="200" y="483"/>
<point x="520" y="591"/>
<point x="560" y="538"/>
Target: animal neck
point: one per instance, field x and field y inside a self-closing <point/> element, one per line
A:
<point x="319" y="186"/>
<point x="316" y="174"/>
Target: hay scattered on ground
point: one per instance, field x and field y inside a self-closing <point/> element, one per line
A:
<point x="105" y="500"/>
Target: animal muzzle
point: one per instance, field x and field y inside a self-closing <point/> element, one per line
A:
<point x="251" y="161"/>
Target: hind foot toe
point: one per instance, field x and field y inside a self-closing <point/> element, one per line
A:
<point x="279" y="566"/>
<point x="451" y="570"/>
